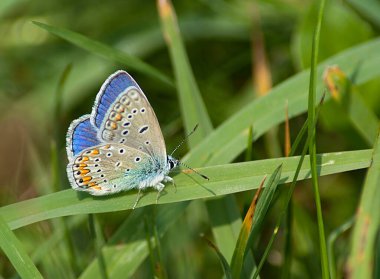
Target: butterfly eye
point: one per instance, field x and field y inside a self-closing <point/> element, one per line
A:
<point x="129" y="116"/>
<point x="171" y="164"/>
<point x="121" y="150"/>
<point x="134" y="111"/>
<point x="125" y="132"/>
<point x="147" y="142"/>
<point x="137" y="159"/>
<point x="109" y="154"/>
<point x="142" y="110"/>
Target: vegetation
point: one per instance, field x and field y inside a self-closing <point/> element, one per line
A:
<point x="286" y="95"/>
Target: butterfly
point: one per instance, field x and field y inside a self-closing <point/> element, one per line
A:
<point x="119" y="146"/>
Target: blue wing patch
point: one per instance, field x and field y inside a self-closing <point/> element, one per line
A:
<point x="81" y="135"/>
<point x="108" y="93"/>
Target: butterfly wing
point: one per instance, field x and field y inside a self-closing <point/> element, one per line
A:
<point x="123" y="115"/>
<point x="108" y="168"/>
<point x="81" y="135"/>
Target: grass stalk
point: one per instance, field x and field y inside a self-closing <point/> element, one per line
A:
<point x="312" y="142"/>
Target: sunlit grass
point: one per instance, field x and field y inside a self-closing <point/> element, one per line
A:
<point x="201" y="52"/>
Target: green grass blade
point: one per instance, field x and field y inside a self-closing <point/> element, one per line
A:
<point x="222" y="259"/>
<point x="57" y="237"/>
<point x="192" y="107"/>
<point x="226" y="179"/>
<point x="98" y="239"/>
<point x="312" y="143"/>
<point x="366" y="228"/>
<point x="369" y="10"/>
<point x="194" y="112"/>
<point x="331" y="242"/>
<point x="226" y="224"/>
<point x="290" y="192"/>
<point x="229" y="139"/>
<point x="106" y="51"/>
<point x="248" y="152"/>
<point x="122" y="260"/>
<point x="16" y="253"/>
<point x="350" y="102"/>
<point x="247" y="235"/>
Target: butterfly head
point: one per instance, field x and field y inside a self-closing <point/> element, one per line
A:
<point x="172" y="162"/>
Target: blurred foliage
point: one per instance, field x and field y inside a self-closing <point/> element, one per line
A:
<point x="217" y="35"/>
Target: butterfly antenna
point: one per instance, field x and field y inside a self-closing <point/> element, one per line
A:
<point x="202" y="175"/>
<point x="182" y="142"/>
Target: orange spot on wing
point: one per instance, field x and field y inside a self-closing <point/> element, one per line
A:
<point x="86" y="178"/>
<point x="118" y="117"/>
<point x="83" y="172"/>
<point x="98" y="188"/>
<point x="113" y="126"/>
<point x="82" y="168"/>
<point x="95" y="152"/>
<point x="84" y="159"/>
<point x="92" y="184"/>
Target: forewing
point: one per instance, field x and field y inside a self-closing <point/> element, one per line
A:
<point x="108" y="93"/>
<point x="131" y="121"/>
<point x="107" y="169"/>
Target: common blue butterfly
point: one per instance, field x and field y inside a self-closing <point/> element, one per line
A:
<point x="120" y="145"/>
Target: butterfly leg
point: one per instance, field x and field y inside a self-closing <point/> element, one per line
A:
<point x="159" y="187"/>
<point x="139" y="195"/>
<point x="169" y="179"/>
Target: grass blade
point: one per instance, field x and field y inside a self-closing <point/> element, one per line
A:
<point x="248" y="152"/>
<point x="351" y="103"/>
<point x="222" y="259"/>
<point x="312" y="143"/>
<point x="253" y="221"/>
<point x="366" y="228"/>
<point x="194" y="112"/>
<point x="105" y="51"/>
<point x="331" y="241"/>
<point x="246" y="228"/>
<point x="285" y="273"/>
<point x="192" y="107"/>
<point x="122" y="260"/>
<point x="16" y="253"/>
<point x="290" y="192"/>
<point x="369" y="10"/>
<point x="227" y="141"/>
<point x="227" y="179"/>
